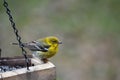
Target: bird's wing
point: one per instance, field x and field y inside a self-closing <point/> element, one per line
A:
<point x="36" y="46"/>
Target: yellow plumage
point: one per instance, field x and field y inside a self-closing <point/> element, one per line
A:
<point x="51" y="41"/>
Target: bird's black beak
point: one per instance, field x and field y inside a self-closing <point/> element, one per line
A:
<point x="59" y="42"/>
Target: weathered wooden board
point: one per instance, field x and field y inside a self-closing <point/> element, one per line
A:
<point x="38" y="72"/>
<point x="15" y="61"/>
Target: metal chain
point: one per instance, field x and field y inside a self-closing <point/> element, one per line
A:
<point x="5" y="4"/>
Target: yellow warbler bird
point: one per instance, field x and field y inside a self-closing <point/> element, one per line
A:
<point x="43" y="48"/>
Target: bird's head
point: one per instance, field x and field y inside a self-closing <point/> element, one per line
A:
<point x="53" y="40"/>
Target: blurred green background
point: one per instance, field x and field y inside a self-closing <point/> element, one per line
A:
<point x="89" y="30"/>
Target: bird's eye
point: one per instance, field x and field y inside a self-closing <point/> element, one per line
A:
<point x="54" y="41"/>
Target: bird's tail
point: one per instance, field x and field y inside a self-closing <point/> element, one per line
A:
<point x="15" y="44"/>
<point x="23" y="44"/>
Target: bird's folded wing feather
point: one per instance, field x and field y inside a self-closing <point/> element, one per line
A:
<point x="37" y="46"/>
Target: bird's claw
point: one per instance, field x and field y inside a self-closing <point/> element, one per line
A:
<point x="45" y="60"/>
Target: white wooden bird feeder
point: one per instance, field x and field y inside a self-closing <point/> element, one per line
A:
<point x="36" y="71"/>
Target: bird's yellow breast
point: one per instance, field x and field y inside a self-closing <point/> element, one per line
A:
<point x="51" y="51"/>
<point x="53" y="42"/>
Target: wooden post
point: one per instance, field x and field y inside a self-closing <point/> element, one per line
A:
<point x="39" y="71"/>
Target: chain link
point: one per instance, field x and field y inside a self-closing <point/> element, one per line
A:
<point x="5" y="4"/>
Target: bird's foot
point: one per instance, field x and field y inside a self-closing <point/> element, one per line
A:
<point x="45" y="60"/>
